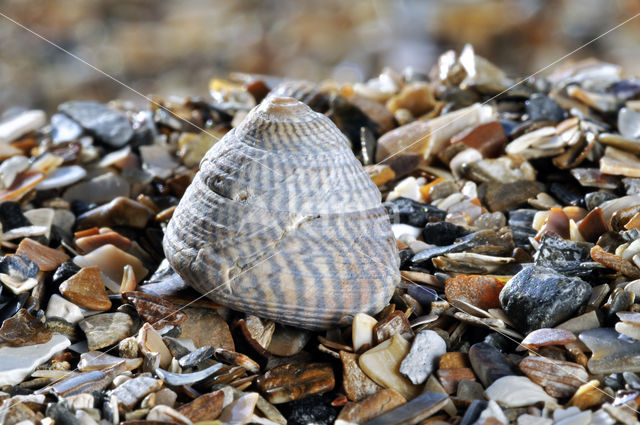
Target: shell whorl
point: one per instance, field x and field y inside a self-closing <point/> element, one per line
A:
<point x="281" y="221"/>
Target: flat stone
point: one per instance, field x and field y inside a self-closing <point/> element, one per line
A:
<point x="63" y="309"/>
<point x="162" y="413"/>
<point x="178" y="379"/>
<point x="238" y="359"/>
<point x="109" y="125"/>
<point x="18" y="362"/>
<point x="205" y="327"/>
<point x="413" y="213"/>
<point x="362" y="331"/>
<point x="21" y="124"/>
<point x="97" y="360"/>
<point x="111" y="261"/>
<point x="470" y="390"/>
<point x="620" y="163"/>
<point x="23" y="329"/>
<point x="540" y="107"/>
<point x="290" y="382"/>
<point x="488" y="363"/>
<point x="612" y="353"/>
<point x="581" y="323"/>
<point x="382" y="363"/>
<point x="453" y="360"/>
<point x="539" y="297"/>
<point x="509" y="196"/>
<point x="64" y="129"/>
<point x="371" y="407"/>
<point x="615" y="262"/>
<point x="413" y="412"/>
<point x="129" y="393"/>
<point x="121" y="211"/>
<point x="357" y="385"/>
<point x="207" y="407"/>
<point x="426" y="349"/>
<point x="628" y="120"/>
<point x="589" y="395"/>
<point x="62" y="177"/>
<point x="155" y="310"/>
<point x="559" y="378"/>
<point x="98" y="190"/>
<point x="106" y="329"/>
<point x="86" y="289"/>
<point x="517" y="391"/>
<point x="488" y="138"/>
<point x="86" y="244"/>
<point x="150" y="341"/>
<point x="158" y="160"/>
<point x="546" y="336"/>
<point x="564" y="256"/>
<point x="394" y="323"/>
<point x="288" y="341"/>
<point x="478" y="290"/>
<point x="19" y="273"/>
<point x="450" y="378"/>
<point x="628" y="329"/>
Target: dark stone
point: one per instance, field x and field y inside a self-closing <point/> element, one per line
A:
<point x="10" y="304"/>
<point x="482" y="242"/>
<point x="563" y="256"/>
<point x="109" y="125"/>
<point x="408" y="211"/>
<point x="64" y="272"/>
<point x="19" y="267"/>
<point x="508" y="126"/>
<point x="509" y="196"/>
<point x="196" y="357"/>
<point x="539" y="297"/>
<point x="488" y="363"/>
<point x="11" y="216"/>
<point x="615" y="381"/>
<point x="473" y="412"/>
<point x="79" y="207"/>
<point x="64" y="129"/>
<point x="625" y="89"/>
<point x="316" y="409"/>
<point x="61" y="415"/>
<point x="405" y="258"/>
<point x="501" y="342"/>
<point x="594" y="199"/>
<point x="442" y="233"/>
<point x="567" y="194"/>
<point x="632" y="380"/>
<point x="520" y="223"/>
<point x="425" y="296"/>
<point x="539" y="107"/>
<point x="350" y="120"/>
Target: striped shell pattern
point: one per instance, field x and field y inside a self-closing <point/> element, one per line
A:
<point x="282" y="221"/>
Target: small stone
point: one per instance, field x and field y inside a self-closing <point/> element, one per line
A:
<point x="527" y="419"/>
<point x="478" y="290"/>
<point x="426" y="349"/>
<point x="61" y="415"/>
<point x="238" y="359"/>
<point x="453" y="360"/>
<point x="155" y="310"/>
<point x="150" y="341"/>
<point x="63" y="309"/>
<point x="610" y="352"/>
<point x="205" y="327"/>
<point x="178" y="379"/>
<point x="106" y="329"/>
<point x="23" y="329"/>
<point x="540" y="297"/>
<point x="99" y="189"/>
<point x="371" y="407"/>
<point x="545" y="337"/>
<point x="316" y="409"/>
<point x="488" y="138"/>
<point x="21" y="124"/>
<point x="450" y="378"/>
<point x="408" y="211"/>
<point x="291" y="382"/>
<point x="540" y="107"/>
<point x="509" y="196"/>
<point x="18" y="362"/>
<point x="394" y="323"/>
<point x="588" y="395"/>
<point x="196" y="357"/>
<point x="288" y="341"/>
<point x="11" y="216"/>
<point x="628" y="120"/>
<point x="109" y="125"/>
<point x="382" y="363"/>
<point x="416" y="97"/>
<point x="615" y="262"/>
<point x="18" y="273"/>
<point x="158" y="160"/>
<point x="86" y="244"/>
<point x="559" y="378"/>
<point x="207" y="407"/>
<point x="121" y="211"/>
<point x="86" y="289"/>
<point x="64" y="129"/>
<point x="488" y="363"/>
<point x="470" y="390"/>
<point x="111" y="261"/>
<point x="415" y="411"/>
<point x="517" y="391"/>
<point x="442" y="233"/>
<point x="62" y="177"/>
<point x="620" y="163"/>
<point x="22" y="184"/>
<point x="356" y="384"/>
<point x="97" y="360"/>
<point x="163" y="413"/>
<point x="129" y="393"/>
<point x="380" y="174"/>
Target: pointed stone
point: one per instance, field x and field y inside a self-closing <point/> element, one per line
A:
<point x="47" y="259"/>
<point x="86" y="289"/>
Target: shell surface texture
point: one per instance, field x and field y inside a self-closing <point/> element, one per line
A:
<point x="282" y="221"/>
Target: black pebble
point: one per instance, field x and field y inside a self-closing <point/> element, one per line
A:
<point x="64" y="272"/>
<point x="408" y="211"/>
<point x="315" y="410"/>
<point x="442" y="233"/>
<point x="11" y="216"/>
<point x="540" y="107"/>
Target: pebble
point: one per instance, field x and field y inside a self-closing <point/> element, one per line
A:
<point x="109" y="125"/>
<point x="478" y="290"/>
<point x="540" y="107"/>
<point x="517" y="391"/>
<point x="23" y="329"/>
<point x="450" y="378"/>
<point x="86" y="289"/>
<point x="106" y="329"/>
<point x="540" y="297"/>
<point x="288" y="341"/>
<point x="97" y="360"/>
<point x="18" y="273"/>
<point x="150" y="341"/>
<point x="509" y="196"/>
<point x="415" y="411"/>
<point x="21" y="124"/>
<point x="370" y="407"/>
<point x="559" y="378"/>
<point x="205" y="327"/>
<point x="382" y="363"/>
<point x="121" y="211"/>
<point x="178" y="379"/>
<point x="47" y="259"/>
<point x="413" y="213"/>
<point x="356" y="384"/>
<point x="442" y="233"/>
<point x="394" y="323"/>
<point x="291" y="382"/>
<point x="611" y="352"/>
<point x="488" y="138"/>
<point x="240" y="411"/>
<point x="628" y="123"/>
<point x="158" y="161"/>
<point x="132" y="391"/>
<point x="18" y="362"/>
<point x="157" y="311"/>
<point x="488" y="363"/>
<point x="206" y="407"/>
<point x="111" y="261"/>
<point x="545" y="337"/>
<point x="419" y="363"/>
<point x="98" y="190"/>
<point x="62" y="177"/>
<point x="63" y="309"/>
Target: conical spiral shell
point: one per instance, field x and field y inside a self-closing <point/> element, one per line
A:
<point x="282" y="222"/>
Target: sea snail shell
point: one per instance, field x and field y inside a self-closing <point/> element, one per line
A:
<point x="282" y="222"/>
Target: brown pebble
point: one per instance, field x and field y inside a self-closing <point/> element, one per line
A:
<point x="593" y="225"/>
<point x="86" y="289"/>
<point x="454" y="360"/>
<point x="207" y="407"/>
<point x="395" y="322"/>
<point x="23" y="329"/>
<point x="449" y="378"/>
<point x="589" y="395"/>
<point x="89" y="243"/>
<point x="615" y="262"/>
<point x="47" y="259"/>
<point x="371" y="407"/>
<point x="295" y="381"/>
<point x="478" y="290"/>
<point x="357" y="385"/>
<point x="558" y="378"/>
<point x="557" y="222"/>
<point x="155" y="310"/>
<point x="488" y="138"/>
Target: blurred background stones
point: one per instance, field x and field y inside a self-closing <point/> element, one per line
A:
<point x="176" y="47"/>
